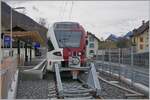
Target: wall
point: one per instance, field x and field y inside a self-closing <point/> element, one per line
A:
<point x="145" y="42"/>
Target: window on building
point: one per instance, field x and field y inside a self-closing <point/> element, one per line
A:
<point x="91" y="52"/>
<point x="91" y="45"/>
<point x="141" y="46"/>
<point x="91" y="38"/>
<point x="133" y="40"/>
<point x="141" y="39"/>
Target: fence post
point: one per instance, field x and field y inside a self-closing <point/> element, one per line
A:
<point x="119" y="63"/>
<point x="109" y="61"/>
<point x="102" y="59"/>
<point x="122" y="56"/>
<point x="132" y="71"/>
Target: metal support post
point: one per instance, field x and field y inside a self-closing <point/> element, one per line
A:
<point x="18" y="49"/>
<point x="119" y="63"/>
<point x="122" y="55"/>
<point x="11" y="33"/>
<point x="132" y="72"/>
<point x="109" y="61"/>
<point x="26" y="56"/>
<point x="102" y="59"/>
<point x="30" y="53"/>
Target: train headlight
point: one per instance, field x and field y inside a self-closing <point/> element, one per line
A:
<point x="57" y="53"/>
<point x="79" y="53"/>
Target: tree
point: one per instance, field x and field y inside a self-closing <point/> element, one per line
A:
<point x="42" y="21"/>
<point x="123" y="43"/>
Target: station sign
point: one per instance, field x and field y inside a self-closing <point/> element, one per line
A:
<point x="37" y="45"/>
<point x="7" y="40"/>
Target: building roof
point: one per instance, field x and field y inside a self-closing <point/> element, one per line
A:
<point x="20" y="20"/>
<point x="141" y="29"/>
<point x="89" y="33"/>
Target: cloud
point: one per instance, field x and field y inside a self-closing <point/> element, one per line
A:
<point x="99" y="17"/>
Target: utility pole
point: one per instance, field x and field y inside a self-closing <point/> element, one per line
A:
<point x="11" y="34"/>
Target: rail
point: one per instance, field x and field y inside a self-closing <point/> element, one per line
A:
<point x="132" y="92"/>
<point x="143" y="89"/>
<point x="126" y="71"/>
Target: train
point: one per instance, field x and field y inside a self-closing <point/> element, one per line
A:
<point x="66" y="45"/>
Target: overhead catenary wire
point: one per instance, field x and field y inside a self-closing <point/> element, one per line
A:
<point x="60" y="11"/>
<point x="70" y="13"/>
<point x="63" y="10"/>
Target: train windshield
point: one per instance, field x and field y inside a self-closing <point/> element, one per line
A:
<point x="68" y="38"/>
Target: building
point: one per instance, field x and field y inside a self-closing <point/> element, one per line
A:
<point x="25" y="34"/>
<point x="92" y="46"/>
<point x="140" y="38"/>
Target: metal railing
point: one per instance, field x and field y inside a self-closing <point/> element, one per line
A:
<point x="128" y="56"/>
<point x="121" y="70"/>
<point x="125" y="62"/>
<point x="7" y="73"/>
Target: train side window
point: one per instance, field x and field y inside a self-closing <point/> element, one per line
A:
<point x="50" y="45"/>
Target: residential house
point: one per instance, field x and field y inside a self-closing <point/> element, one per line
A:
<point x="92" y="46"/>
<point x="140" y="38"/>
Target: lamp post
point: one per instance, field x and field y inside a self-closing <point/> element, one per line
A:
<point x="11" y="27"/>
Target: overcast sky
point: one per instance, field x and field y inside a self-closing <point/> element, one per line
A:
<point x="99" y="17"/>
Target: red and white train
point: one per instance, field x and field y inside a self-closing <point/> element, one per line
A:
<point x="66" y="45"/>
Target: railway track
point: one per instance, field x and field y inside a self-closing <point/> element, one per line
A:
<point x="46" y="88"/>
<point x="76" y="89"/>
<point x="113" y="88"/>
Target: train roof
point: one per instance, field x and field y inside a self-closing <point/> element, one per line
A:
<point x="66" y="22"/>
<point x="67" y="25"/>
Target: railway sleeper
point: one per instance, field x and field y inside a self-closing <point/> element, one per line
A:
<point x="80" y="91"/>
<point x="134" y="96"/>
<point x="77" y="95"/>
<point x="87" y="97"/>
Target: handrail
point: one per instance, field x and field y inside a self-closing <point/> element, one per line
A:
<point x="95" y="79"/>
<point x="120" y="65"/>
<point x="37" y="66"/>
<point x="58" y="80"/>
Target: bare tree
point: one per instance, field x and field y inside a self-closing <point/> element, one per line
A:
<point x="102" y="39"/>
<point x="42" y="21"/>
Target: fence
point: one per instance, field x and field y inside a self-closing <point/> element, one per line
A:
<point x="125" y="62"/>
<point x="127" y="56"/>
<point x="7" y="72"/>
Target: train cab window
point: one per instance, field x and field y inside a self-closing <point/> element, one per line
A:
<point x="50" y="45"/>
<point x="68" y="38"/>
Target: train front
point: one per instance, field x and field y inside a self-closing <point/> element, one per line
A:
<point x="69" y="41"/>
